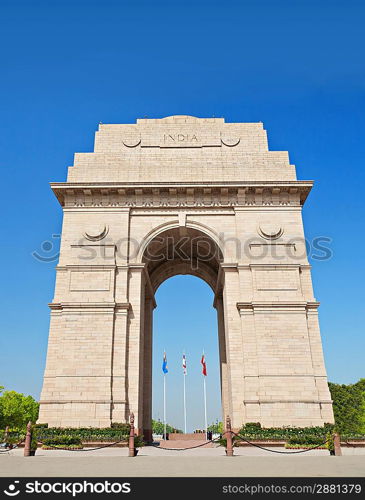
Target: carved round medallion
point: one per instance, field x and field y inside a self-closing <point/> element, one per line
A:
<point x="270" y="231"/>
<point x="132" y="141"/>
<point x="97" y="232"/>
<point x="230" y="140"/>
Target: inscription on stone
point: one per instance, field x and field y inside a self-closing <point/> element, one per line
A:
<point x="171" y="138"/>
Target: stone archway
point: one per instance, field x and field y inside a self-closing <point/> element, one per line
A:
<point x="180" y="250"/>
<point x="199" y="178"/>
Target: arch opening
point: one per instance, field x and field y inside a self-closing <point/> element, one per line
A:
<point x="179" y="251"/>
<point x="185" y="322"/>
<point x="182" y="250"/>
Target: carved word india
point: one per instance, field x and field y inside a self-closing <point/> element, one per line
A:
<point x="179" y="138"/>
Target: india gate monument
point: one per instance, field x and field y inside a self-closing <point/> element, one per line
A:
<point x="183" y="195"/>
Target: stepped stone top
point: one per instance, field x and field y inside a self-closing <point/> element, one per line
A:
<point x="181" y="148"/>
<point x="180" y="119"/>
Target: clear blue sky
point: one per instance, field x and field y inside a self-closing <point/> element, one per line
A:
<point x="298" y="66"/>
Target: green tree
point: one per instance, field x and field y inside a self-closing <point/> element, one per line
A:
<point x="349" y="406"/>
<point x="158" y="428"/>
<point x="216" y="428"/>
<point x="16" y="409"/>
<point x="361" y="384"/>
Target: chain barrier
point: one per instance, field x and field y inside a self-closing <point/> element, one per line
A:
<point x="82" y="449"/>
<point x="177" y="449"/>
<point x="242" y="439"/>
<point x="183" y="449"/>
<point x="277" y="451"/>
<point x="67" y="449"/>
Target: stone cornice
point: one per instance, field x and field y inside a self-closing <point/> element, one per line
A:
<point x="87" y="267"/>
<point x="247" y="307"/>
<point x="86" y="401"/>
<point x="267" y="265"/>
<point x="182" y="195"/>
<point x="294" y="400"/>
<point x="228" y="266"/>
<point x="90" y="306"/>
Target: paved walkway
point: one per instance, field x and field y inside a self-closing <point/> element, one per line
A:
<point x="202" y="462"/>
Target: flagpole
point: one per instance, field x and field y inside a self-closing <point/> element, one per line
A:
<point x="205" y="409"/>
<point x="164" y="405"/>
<point x="184" y="404"/>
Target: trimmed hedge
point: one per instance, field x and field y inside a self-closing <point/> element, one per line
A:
<point x="86" y="433"/>
<point x="307" y="440"/>
<point x="62" y="440"/>
<point x="350" y="437"/>
<point x="73" y="436"/>
<point x="254" y="430"/>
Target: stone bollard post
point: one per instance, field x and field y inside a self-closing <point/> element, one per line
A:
<point x="28" y="440"/>
<point x="229" y="447"/>
<point x="337" y="444"/>
<point x="132" y="449"/>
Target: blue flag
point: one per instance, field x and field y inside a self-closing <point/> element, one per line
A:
<point x="164" y="363"/>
